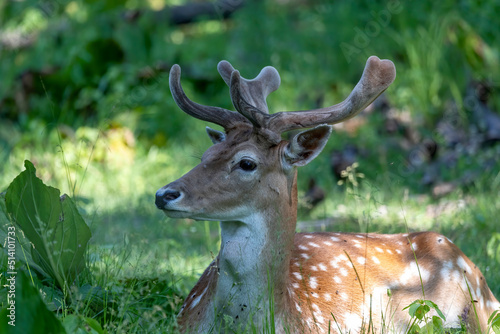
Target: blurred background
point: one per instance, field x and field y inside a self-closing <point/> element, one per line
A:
<point x="84" y="95"/>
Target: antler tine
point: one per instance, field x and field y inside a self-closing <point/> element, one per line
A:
<point x="258" y="118"/>
<point x="377" y="76"/>
<point x="253" y="114"/>
<point x="223" y="117"/>
<point x="254" y="91"/>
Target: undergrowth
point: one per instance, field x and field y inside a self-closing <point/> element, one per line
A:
<point x="94" y="116"/>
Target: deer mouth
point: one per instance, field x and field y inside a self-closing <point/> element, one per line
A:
<point x="174" y="213"/>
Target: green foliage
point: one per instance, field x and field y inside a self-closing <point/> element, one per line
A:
<point x="88" y="102"/>
<point x="78" y="324"/>
<point x="421" y="321"/>
<point x="493" y="246"/>
<point x="494" y="322"/>
<point x="120" y="66"/>
<point x="350" y="178"/>
<point x="31" y="314"/>
<point x="51" y="223"/>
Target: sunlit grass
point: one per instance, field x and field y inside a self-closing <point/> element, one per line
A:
<point x="147" y="262"/>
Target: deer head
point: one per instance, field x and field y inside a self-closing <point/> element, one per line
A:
<point x="224" y="186"/>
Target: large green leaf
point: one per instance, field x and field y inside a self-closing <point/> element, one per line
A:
<point x="4" y="220"/>
<point x="22" y="243"/>
<point x="29" y="313"/>
<point x="52" y="224"/>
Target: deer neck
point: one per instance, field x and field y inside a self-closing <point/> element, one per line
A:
<point x="254" y="260"/>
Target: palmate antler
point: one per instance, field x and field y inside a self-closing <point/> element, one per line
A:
<point x="249" y="99"/>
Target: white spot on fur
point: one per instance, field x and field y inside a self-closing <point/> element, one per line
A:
<point x="344" y="296"/>
<point x="314" y="268"/>
<point x="343" y="271"/>
<point x="379" y="292"/>
<point x="305" y="256"/>
<point x="328" y="297"/>
<point x="446" y="269"/>
<point x="295" y="285"/>
<point x="353" y="322"/>
<point x="361" y="260"/>
<point x="319" y="318"/>
<point x="388" y="251"/>
<point x="335" y="262"/>
<point x="411" y="274"/>
<point x="308" y="236"/>
<point x="302" y="247"/>
<point x="313" y="244"/>
<point x="328" y="243"/>
<point x="375" y="259"/>
<point x="493" y="305"/>
<point x="337" y="279"/>
<point x="335" y="239"/>
<point x="197" y="299"/>
<point x="298" y="307"/>
<point x="463" y="265"/>
<point x="378" y="249"/>
<point x="359" y="236"/>
<point x="313" y="283"/>
<point x="315" y="307"/>
<point x="297" y="275"/>
<point x="322" y="267"/>
<point x="357" y="245"/>
<point x="478" y="293"/>
<point x="314" y="294"/>
<point x="398" y="251"/>
<point x="425" y="274"/>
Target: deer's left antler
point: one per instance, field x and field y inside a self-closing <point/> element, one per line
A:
<point x="377" y="76"/>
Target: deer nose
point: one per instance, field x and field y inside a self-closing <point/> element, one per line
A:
<point x="164" y="196"/>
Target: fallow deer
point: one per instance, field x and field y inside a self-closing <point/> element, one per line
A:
<point x="266" y="277"/>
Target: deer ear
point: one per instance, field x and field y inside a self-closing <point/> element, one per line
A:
<point x="216" y="136"/>
<point x="306" y="145"/>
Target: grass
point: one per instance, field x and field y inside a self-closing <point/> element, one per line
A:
<point x="144" y="264"/>
<point x="126" y="139"/>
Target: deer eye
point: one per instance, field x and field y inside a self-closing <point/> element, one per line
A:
<point x="247" y="165"/>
